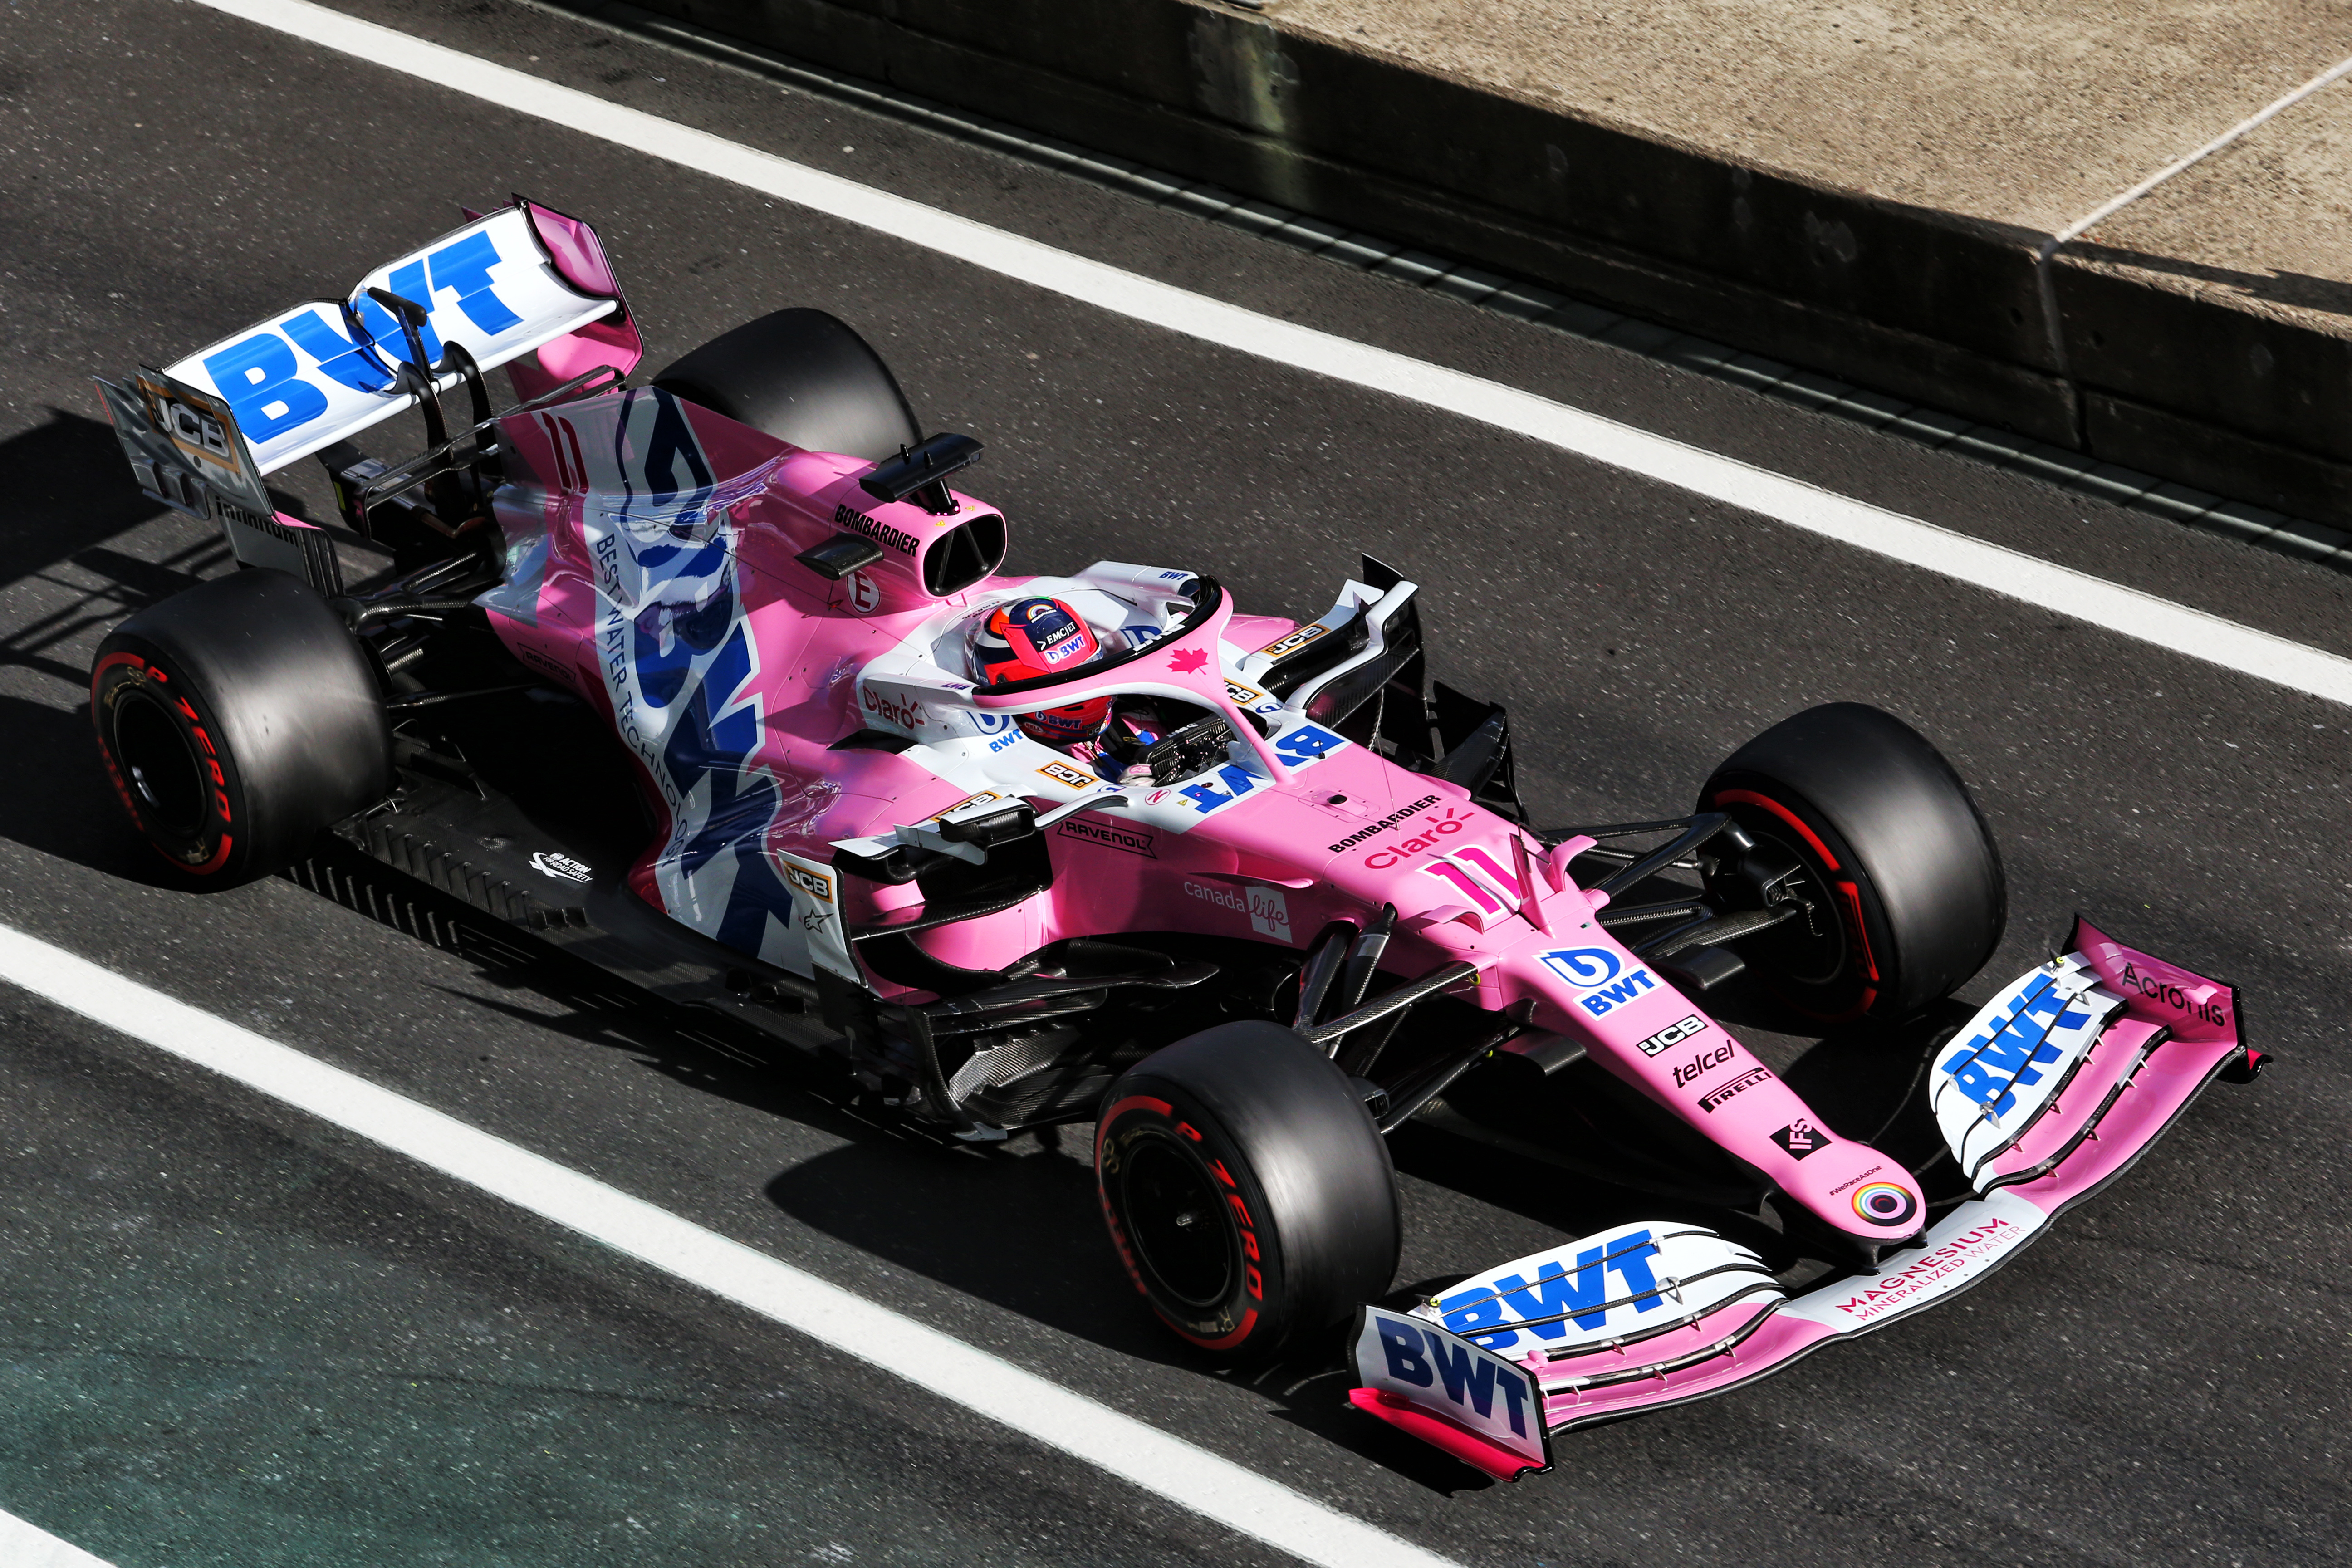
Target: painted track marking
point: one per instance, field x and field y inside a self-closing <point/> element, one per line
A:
<point x="2010" y="572"/>
<point x="939" y="1363"/>
<point x="24" y="1545"/>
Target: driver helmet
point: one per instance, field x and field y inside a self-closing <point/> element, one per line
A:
<point x="1031" y="638"/>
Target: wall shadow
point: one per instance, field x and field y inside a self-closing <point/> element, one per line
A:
<point x="2332" y="296"/>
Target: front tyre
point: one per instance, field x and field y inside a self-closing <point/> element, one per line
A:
<point x="1247" y="1188"/>
<point x="237" y="719"/>
<point x="1902" y="882"/>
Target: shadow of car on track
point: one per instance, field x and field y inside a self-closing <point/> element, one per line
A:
<point x="56" y="799"/>
<point x="71" y="500"/>
<point x="1018" y="1224"/>
<point x="69" y="495"/>
<point x="1021" y="1228"/>
<point x="67" y="488"/>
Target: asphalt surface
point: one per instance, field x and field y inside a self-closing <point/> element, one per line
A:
<point x="228" y="1335"/>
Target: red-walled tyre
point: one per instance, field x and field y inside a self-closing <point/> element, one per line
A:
<point x="237" y="719"/>
<point x="1905" y="883"/>
<point x="1247" y="1188"/>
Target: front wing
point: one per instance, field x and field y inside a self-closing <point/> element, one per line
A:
<point x="2055" y="1088"/>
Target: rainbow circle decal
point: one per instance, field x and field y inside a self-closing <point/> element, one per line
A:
<point x="1883" y="1202"/>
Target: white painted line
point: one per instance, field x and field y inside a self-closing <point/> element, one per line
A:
<point x="2010" y="572"/>
<point x="24" y="1545"/>
<point x="2254" y="121"/>
<point x="1188" y="1476"/>
<point x="2050" y="248"/>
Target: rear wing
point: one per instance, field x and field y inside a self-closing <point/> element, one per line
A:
<point x="202" y="433"/>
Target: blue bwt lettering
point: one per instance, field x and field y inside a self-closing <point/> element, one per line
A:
<point x="1556" y="1296"/>
<point x="1206" y="797"/>
<point x="258" y="378"/>
<point x="408" y="283"/>
<point x="1989" y="1068"/>
<point x="1426" y="1358"/>
<point x="464" y="269"/>
<point x="1465" y="1371"/>
<point x="1306" y="743"/>
<point x="1401" y="1343"/>
<point x="1514" y="1401"/>
<point x="1636" y="980"/>
<point x="347" y="360"/>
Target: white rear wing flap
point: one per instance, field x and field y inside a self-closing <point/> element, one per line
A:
<point x="201" y="434"/>
<point x="500" y="287"/>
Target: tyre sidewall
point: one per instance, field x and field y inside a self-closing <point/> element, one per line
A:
<point x="1887" y="826"/>
<point x="1238" y="1322"/>
<point x="277" y="703"/>
<point x="132" y="674"/>
<point x="1310" y="1198"/>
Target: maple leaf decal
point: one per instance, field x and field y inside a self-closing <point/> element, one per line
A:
<point x="1186" y="660"/>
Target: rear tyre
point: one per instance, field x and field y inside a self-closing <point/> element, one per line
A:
<point x="1906" y="884"/>
<point x="804" y="377"/>
<point x="1247" y="1188"/>
<point x="236" y="719"/>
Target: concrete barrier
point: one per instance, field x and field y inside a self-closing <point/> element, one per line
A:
<point x="2195" y="360"/>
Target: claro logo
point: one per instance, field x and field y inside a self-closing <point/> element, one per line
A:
<point x="906" y="715"/>
<point x="1429" y="835"/>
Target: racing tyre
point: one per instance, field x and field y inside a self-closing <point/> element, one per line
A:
<point x="1247" y="1188"/>
<point x="1904" y="882"/>
<point x="237" y="719"/>
<point x="804" y="377"/>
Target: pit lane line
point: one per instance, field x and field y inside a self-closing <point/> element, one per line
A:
<point x="2010" y="572"/>
<point x="1192" y="1477"/>
<point x="26" y="1546"/>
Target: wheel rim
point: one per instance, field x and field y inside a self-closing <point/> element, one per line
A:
<point x="1811" y="949"/>
<point x="161" y="765"/>
<point x="1176" y="1223"/>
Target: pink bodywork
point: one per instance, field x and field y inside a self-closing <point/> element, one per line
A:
<point x="1332" y="843"/>
<point x="732" y="678"/>
<point x="1305" y="830"/>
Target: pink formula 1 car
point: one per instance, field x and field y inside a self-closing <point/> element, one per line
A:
<point x="679" y="678"/>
